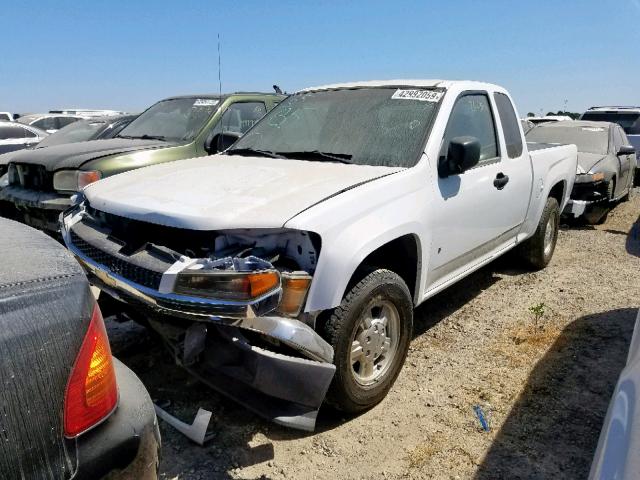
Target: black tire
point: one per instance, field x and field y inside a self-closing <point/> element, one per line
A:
<point x="533" y="250"/>
<point x="346" y="393"/>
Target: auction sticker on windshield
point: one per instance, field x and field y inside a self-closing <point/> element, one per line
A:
<point x="421" y="95"/>
<point x="205" y="102"/>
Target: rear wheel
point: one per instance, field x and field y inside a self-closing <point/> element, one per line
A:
<point x="370" y="333"/>
<point x="538" y="250"/>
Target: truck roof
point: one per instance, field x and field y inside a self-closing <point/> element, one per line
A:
<point x="217" y="96"/>
<point x="463" y="84"/>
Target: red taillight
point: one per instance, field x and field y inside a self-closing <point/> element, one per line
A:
<point x="92" y="392"/>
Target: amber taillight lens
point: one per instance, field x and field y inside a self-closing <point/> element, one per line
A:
<point x="92" y="392"/>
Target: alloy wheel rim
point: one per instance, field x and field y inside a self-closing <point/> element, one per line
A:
<point x="549" y="234"/>
<point x="375" y="341"/>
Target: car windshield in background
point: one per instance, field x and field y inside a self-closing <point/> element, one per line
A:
<point x="174" y="120"/>
<point x="630" y="122"/>
<point x="76" y="132"/>
<point x="364" y="126"/>
<point x="587" y="139"/>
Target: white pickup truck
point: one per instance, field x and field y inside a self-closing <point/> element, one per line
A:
<point x="286" y="270"/>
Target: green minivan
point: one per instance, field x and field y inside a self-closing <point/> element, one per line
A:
<point x="39" y="183"/>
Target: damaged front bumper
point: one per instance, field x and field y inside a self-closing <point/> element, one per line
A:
<point x="38" y="209"/>
<point x="277" y="366"/>
<point x="585" y="197"/>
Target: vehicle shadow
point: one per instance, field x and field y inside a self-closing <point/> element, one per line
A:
<point x="554" y="426"/>
<point x="440" y="306"/>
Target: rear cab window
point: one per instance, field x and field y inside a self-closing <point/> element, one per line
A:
<point x="510" y="127"/>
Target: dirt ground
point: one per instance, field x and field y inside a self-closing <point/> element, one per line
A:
<point x="539" y="353"/>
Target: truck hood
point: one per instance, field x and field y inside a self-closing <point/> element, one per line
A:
<point x="586" y="161"/>
<point x="226" y="192"/>
<point x="73" y="155"/>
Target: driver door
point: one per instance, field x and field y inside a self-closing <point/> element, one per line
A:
<point x="470" y="207"/>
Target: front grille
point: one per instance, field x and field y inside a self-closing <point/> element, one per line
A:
<point x="33" y="177"/>
<point x="141" y="276"/>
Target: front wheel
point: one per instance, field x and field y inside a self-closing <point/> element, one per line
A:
<point x="538" y="250"/>
<point x="370" y="333"/>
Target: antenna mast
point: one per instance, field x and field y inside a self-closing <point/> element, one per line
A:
<point x="219" y="68"/>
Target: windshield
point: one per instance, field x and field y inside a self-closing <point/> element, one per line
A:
<point x="587" y="139"/>
<point x="364" y="126"/>
<point x="75" y="132"/>
<point x="630" y="122"/>
<point x="174" y="120"/>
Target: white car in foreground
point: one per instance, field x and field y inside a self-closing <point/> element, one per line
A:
<point x="287" y="268"/>
<point x="617" y="453"/>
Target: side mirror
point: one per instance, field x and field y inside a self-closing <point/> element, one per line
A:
<point x="221" y="141"/>
<point x="462" y="154"/>
<point x="626" y="150"/>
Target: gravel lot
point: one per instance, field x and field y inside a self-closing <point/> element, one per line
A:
<point x="543" y="381"/>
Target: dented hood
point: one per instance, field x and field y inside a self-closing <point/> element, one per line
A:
<point x="586" y="161"/>
<point x="224" y="191"/>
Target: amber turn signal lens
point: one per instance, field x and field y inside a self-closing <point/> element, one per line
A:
<point x="294" y="292"/>
<point x="85" y="178"/>
<point x="262" y="282"/>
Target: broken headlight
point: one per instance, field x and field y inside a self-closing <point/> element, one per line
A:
<point x="589" y="177"/>
<point x="235" y="279"/>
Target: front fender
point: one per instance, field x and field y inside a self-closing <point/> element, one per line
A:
<point x="356" y="223"/>
<point x="339" y="263"/>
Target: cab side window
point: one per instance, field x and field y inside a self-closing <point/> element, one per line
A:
<point x="46" y="123"/>
<point x="240" y="117"/>
<point x="510" y="125"/>
<point x="11" y="133"/>
<point x="64" y="121"/>
<point x="28" y="133"/>
<point x="472" y="116"/>
<point x="617" y="140"/>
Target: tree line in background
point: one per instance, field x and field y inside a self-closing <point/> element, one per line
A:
<point x="573" y="115"/>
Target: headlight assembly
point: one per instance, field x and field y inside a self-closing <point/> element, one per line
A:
<point x="235" y="279"/>
<point x="589" y="177"/>
<point x="74" y="180"/>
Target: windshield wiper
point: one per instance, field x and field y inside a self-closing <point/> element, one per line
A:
<point x="318" y="155"/>
<point x="143" y="137"/>
<point x="253" y="152"/>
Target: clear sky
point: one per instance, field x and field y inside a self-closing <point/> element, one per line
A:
<point x="128" y="54"/>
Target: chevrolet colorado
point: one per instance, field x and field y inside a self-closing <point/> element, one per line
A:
<point x="286" y="269"/>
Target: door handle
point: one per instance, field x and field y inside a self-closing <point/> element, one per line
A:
<point x="500" y="181"/>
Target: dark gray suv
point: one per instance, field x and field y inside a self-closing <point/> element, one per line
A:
<point x="627" y="117"/>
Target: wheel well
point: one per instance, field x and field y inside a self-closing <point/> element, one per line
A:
<point x="557" y="192"/>
<point x="400" y="256"/>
